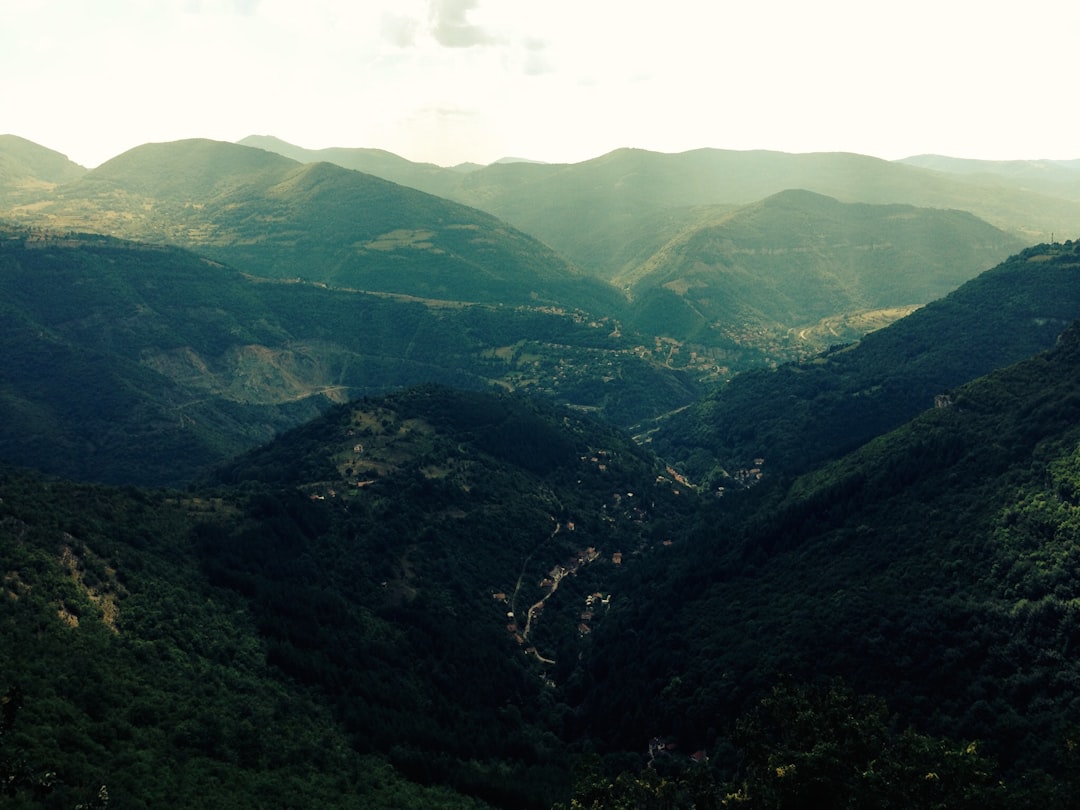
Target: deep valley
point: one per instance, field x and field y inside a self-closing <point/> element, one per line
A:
<point x="692" y="480"/>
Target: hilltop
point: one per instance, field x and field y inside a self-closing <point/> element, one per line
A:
<point x="27" y="168"/>
<point x="273" y="217"/>
<point x="610" y="213"/>
<point x="794" y="260"/>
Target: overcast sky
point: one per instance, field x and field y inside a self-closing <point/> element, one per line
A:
<point x="448" y="81"/>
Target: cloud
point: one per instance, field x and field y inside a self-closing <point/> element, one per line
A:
<point x="399" y="31"/>
<point x="536" y="61"/>
<point x="451" y="27"/>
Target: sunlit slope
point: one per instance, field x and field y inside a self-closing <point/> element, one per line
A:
<point x="798" y="257"/>
<point x="270" y="216"/>
<point x="27" y="168"/>
<point x="610" y="213"/>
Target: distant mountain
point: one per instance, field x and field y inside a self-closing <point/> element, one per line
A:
<point x="510" y="159"/>
<point x="609" y="214"/>
<point x="796" y="258"/>
<point x="423" y="176"/>
<point x="574" y="208"/>
<point x="1056" y="177"/>
<point x="271" y="216"/>
<point x="803" y="414"/>
<point x="28" y="167"/>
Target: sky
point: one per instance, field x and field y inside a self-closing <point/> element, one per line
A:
<point x="449" y="81"/>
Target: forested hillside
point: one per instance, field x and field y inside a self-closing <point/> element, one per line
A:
<point x="410" y="554"/>
<point x="442" y="590"/>
<point x="610" y="213"/>
<point x="801" y="414"/>
<point x="129" y="363"/>
<point x="934" y="567"/>
<point x="382" y="600"/>
<point x="765" y="278"/>
<point x="273" y="217"/>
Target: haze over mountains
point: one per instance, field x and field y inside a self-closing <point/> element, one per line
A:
<point x="411" y="555"/>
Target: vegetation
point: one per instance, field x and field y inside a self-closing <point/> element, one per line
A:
<point x="158" y="363"/>
<point x="802" y="414"/>
<point x="272" y="217"/>
<point x="935" y="561"/>
<point x="608" y="215"/>
<point x="822" y="258"/>
<point x="462" y="595"/>
<point x="298" y="631"/>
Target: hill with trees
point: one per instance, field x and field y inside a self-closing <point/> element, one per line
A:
<point x="661" y="228"/>
<point x="410" y="559"/>
<point x="368" y="610"/>
<point x="931" y="567"/>
<point x="273" y="217"/>
<point x="782" y="266"/>
<point x="129" y="363"/>
<point x="609" y="214"/>
<point x="802" y="414"/>
<point x="444" y="598"/>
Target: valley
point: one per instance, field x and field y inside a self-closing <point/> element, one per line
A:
<point x="712" y="479"/>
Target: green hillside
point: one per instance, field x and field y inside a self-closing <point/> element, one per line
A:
<point x="802" y="414"/>
<point x="27" y="169"/>
<point x="796" y="258"/>
<point x="530" y="197"/>
<point x="932" y="567"/>
<point x="304" y="639"/>
<point x="423" y="176"/>
<point x="609" y="214"/>
<point x="720" y="284"/>
<point x="270" y="216"/>
<point x="412" y="560"/>
<point x="443" y="598"/>
<point x="126" y="363"/>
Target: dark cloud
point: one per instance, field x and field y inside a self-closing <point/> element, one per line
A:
<point x="451" y="27"/>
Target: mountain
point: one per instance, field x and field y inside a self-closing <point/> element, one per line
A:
<point x="932" y="567"/>
<point x="1057" y="177"/>
<point x="27" y="167"/>
<point x="130" y="363"/>
<point x="436" y="598"/>
<point x="578" y="208"/>
<point x="608" y="215"/>
<point x="651" y="219"/>
<point x="802" y="414"/>
<point x="270" y="216"/>
<point x="366" y="612"/>
<point x="423" y="176"/>
<point x="797" y="258"/>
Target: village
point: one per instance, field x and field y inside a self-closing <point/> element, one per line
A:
<point x="548" y="585"/>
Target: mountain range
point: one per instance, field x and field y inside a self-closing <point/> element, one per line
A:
<point x="327" y="495"/>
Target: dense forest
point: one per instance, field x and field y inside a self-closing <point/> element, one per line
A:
<point x="347" y="579"/>
<point x="321" y="491"/>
